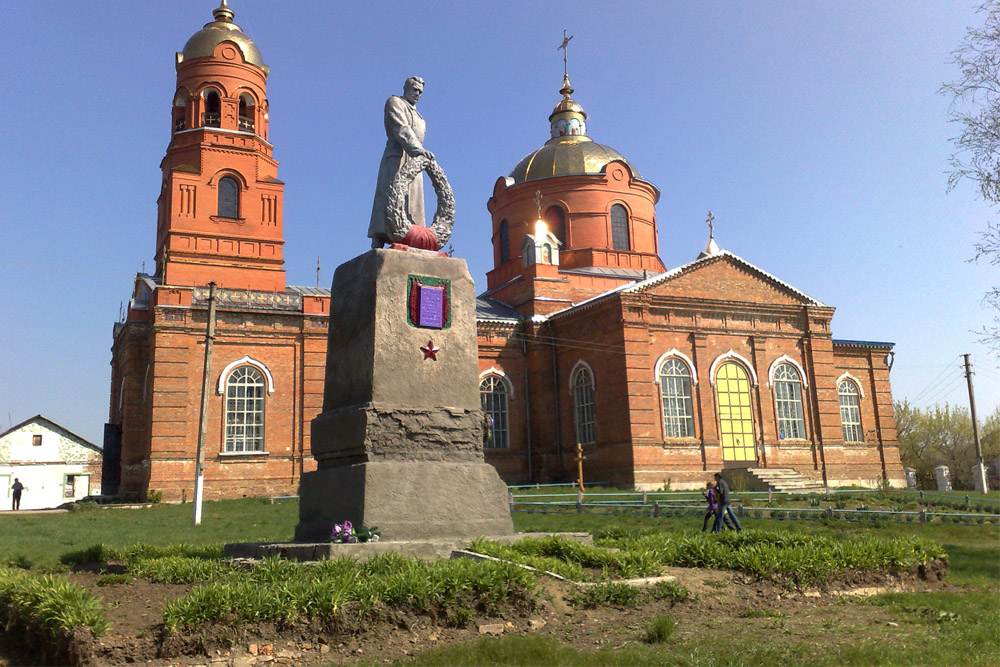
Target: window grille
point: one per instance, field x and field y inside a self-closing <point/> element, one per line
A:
<point x="850" y="411"/>
<point x="493" y="395"/>
<point x="675" y="390"/>
<point x="245" y="410"/>
<point x="583" y="394"/>
<point x="788" y="399"/>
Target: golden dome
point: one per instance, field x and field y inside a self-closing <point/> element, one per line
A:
<point x="570" y="151"/>
<point x="567" y="156"/>
<point x="202" y="44"/>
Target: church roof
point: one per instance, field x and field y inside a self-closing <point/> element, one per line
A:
<point x="202" y="44"/>
<point x="661" y="278"/>
<point x="865" y="344"/>
<point x="705" y="257"/>
<point x="491" y="310"/>
<point x="569" y="151"/>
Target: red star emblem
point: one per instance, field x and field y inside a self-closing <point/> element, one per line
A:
<point x="430" y="351"/>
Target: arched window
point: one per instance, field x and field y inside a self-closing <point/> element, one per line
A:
<point x="675" y="390"/>
<point x="229" y="198"/>
<point x="493" y="396"/>
<point x="583" y="398"/>
<point x="213" y="104"/>
<point x="245" y="390"/>
<point x="555" y="218"/>
<point x="619" y="228"/>
<point x="850" y="411"/>
<point x="180" y="110"/>
<point x="732" y="397"/>
<point x="788" y="400"/>
<point x="504" y="242"/>
<point x="246" y="112"/>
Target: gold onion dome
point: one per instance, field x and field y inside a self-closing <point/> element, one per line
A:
<point x="202" y="44"/>
<point x="569" y="151"/>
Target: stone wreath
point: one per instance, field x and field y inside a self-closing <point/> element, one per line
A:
<point x="396" y="223"/>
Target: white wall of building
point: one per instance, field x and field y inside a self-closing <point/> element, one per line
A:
<point x="54" y="465"/>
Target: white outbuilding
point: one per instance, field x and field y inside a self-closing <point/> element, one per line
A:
<point x="54" y="465"/>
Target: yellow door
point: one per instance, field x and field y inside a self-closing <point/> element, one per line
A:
<point x="732" y="396"/>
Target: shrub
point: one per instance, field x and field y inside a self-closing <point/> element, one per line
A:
<point x="112" y="579"/>
<point x="53" y="604"/>
<point x="154" y="496"/>
<point x="608" y="593"/>
<point x="660" y="630"/>
<point x="669" y="590"/>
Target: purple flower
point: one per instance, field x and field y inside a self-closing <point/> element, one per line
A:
<point x="350" y="539"/>
<point x="348" y="526"/>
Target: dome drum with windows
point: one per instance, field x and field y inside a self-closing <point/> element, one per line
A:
<point x="592" y="199"/>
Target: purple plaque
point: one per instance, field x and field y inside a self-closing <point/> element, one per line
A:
<point x="431" y="307"/>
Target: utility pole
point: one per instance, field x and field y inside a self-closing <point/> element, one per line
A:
<point x="206" y="381"/>
<point x="980" y="473"/>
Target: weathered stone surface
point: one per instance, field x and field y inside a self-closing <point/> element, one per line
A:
<point x="373" y="354"/>
<point x="406" y="500"/>
<point x="399" y="441"/>
<point x="370" y="433"/>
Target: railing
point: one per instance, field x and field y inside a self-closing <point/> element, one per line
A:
<point x="691" y="503"/>
<point x="246" y="124"/>
<point x="211" y="120"/>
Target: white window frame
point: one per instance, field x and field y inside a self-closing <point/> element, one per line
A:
<point x="500" y="415"/>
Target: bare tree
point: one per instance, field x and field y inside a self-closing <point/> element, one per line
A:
<point x="976" y="108"/>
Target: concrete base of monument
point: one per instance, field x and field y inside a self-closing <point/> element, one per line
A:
<point x="406" y="500"/>
<point x="427" y="549"/>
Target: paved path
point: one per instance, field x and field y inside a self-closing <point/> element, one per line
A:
<point x="20" y="512"/>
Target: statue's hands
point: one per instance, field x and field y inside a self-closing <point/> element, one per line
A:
<point x="427" y="154"/>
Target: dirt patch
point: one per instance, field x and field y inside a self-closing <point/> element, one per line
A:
<point x="718" y="598"/>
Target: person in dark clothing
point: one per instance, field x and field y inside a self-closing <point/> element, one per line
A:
<point x="722" y="509"/>
<point x="17" y="487"/>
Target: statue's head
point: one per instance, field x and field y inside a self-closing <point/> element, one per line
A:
<point x="413" y="89"/>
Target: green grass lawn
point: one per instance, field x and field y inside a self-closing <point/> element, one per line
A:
<point x="42" y="538"/>
<point x="957" y="625"/>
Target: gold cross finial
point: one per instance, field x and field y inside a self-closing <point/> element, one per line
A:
<point x="711" y="229"/>
<point x="565" y="49"/>
<point x="538" y="202"/>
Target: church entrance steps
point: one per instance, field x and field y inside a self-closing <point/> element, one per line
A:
<point x="786" y="480"/>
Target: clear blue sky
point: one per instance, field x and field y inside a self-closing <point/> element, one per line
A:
<point x="813" y="131"/>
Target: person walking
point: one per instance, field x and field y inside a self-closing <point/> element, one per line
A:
<point x="710" y="510"/>
<point x="16" y="487"/>
<point x="722" y="507"/>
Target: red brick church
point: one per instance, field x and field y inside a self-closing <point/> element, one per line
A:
<point x="663" y="375"/>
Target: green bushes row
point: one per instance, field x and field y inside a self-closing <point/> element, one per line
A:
<point x="285" y="592"/>
<point x="49" y="604"/>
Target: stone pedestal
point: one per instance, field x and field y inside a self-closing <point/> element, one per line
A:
<point x="943" y="476"/>
<point x="399" y="442"/>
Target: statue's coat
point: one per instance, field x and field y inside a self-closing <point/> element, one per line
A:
<point x="404" y="129"/>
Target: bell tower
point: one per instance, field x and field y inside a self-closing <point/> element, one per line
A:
<point x="219" y="213"/>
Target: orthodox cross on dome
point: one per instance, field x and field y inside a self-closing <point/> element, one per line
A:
<point x="713" y="247"/>
<point x="564" y="47"/>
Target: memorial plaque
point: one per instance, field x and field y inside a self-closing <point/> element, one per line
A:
<point x="428" y="302"/>
<point x="431" y="312"/>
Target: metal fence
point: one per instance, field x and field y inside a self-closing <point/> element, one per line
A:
<point x="692" y="504"/>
